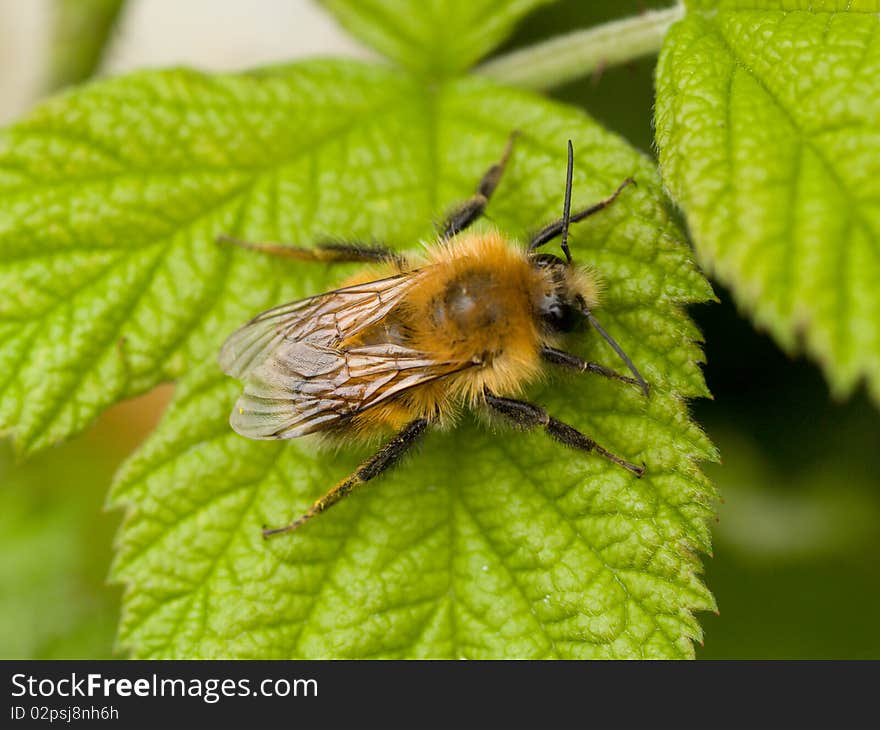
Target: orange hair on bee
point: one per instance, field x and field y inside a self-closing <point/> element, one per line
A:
<point x="473" y="303"/>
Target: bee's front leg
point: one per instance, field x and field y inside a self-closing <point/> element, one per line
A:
<point x="554" y="229"/>
<point x="467" y="212"/>
<point x="529" y="415"/>
<point x="573" y="362"/>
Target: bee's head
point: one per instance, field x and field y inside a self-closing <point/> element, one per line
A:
<point x="568" y="293"/>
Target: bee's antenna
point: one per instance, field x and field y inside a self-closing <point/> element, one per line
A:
<point x="566" y="210"/>
<point x="623" y="356"/>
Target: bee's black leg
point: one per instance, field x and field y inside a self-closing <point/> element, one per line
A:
<point x="328" y="252"/>
<point x="552" y="230"/>
<point x="573" y="362"/>
<point x="382" y="460"/>
<point x="467" y="212"/>
<point x="528" y="415"/>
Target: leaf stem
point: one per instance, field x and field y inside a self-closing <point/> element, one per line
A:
<point x="582" y="52"/>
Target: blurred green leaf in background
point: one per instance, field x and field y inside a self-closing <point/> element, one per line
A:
<point x="55" y="545"/>
<point x="55" y="602"/>
<point x="81" y="32"/>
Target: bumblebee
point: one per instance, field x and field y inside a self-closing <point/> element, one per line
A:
<point x="404" y="346"/>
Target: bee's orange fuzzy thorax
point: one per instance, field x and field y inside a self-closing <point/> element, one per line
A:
<point x="476" y="302"/>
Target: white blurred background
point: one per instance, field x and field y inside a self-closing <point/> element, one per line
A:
<point x="208" y="34"/>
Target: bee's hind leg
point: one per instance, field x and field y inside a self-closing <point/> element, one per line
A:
<point x="381" y="461"/>
<point x="467" y="212"/>
<point x="528" y="415"/>
<point x="332" y="252"/>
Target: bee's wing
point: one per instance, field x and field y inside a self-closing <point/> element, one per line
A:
<point x="323" y="320"/>
<point x="303" y="387"/>
<point x="298" y="382"/>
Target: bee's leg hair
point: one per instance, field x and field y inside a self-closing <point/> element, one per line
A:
<point x="527" y="415"/>
<point x="552" y="230"/>
<point x="327" y="252"/>
<point x="382" y="460"/>
<point x="573" y="362"/>
<point x="467" y="212"/>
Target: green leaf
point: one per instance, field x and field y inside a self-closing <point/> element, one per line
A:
<point x="109" y="202"/>
<point x="81" y="30"/>
<point x="432" y="38"/>
<point x="483" y="544"/>
<point x="767" y="126"/>
<point x="56" y="545"/>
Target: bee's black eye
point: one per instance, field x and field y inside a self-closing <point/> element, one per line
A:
<point x="560" y="316"/>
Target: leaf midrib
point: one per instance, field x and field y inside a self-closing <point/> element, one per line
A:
<point x="50" y="415"/>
